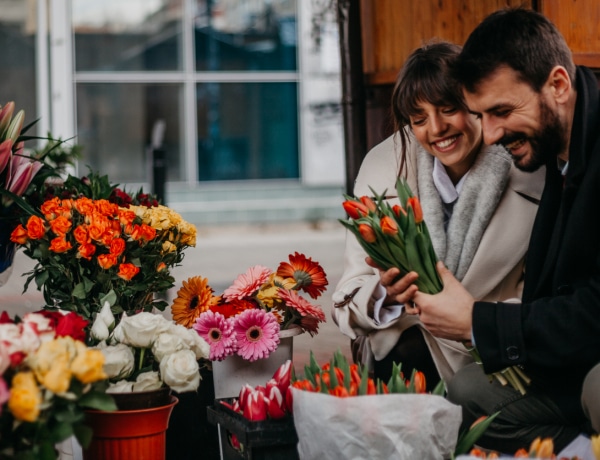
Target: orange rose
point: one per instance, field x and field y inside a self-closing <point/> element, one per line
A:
<point x="127" y="271"/>
<point x="126" y="216"/>
<point x="148" y="233"/>
<point x="97" y="226"/>
<point x="117" y="246"/>
<point x="50" y="207"/>
<point x="81" y="234"/>
<point x="107" y="261"/>
<point x="135" y="231"/>
<point x="59" y="244"/>
<point x="61" y="225"/>
<point x="86" y="250"/>
<point x="35" y="228"/>
<point x="19" y="235"/>
<point x="161" y="267"/>
<point x="85" y="206"/>
<point x="106" y="208"/>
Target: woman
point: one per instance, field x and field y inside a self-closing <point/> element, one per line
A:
<point x="478" y="207"/>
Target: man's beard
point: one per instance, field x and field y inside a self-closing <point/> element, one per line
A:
<point x="546" y="143"/>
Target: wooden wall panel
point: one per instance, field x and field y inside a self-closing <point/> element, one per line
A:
<point x="578" y="21"/>
<point x="391" y="29"/>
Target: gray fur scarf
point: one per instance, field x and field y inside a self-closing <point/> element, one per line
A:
<point x="482" y="190"/>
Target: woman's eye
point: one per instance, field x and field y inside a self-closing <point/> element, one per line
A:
<point x="449" y="110"/>
<point x="417" y="121"/>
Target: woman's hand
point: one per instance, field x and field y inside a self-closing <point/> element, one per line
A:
<point x="399" y="289"/>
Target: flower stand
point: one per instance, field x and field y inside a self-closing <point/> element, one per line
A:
<point x="129" y="434"/>
<point x="267" y="440"/>
<point x="231" y="374"/>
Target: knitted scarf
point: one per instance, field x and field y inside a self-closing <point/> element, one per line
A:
<point x="478" y="199"/>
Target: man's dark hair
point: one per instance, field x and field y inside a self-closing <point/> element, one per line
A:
<point x="521" y="39"/>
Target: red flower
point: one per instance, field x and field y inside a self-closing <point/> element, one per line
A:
<point x="71" y="325"/>
<point x="127" y="271"/>
<point x="413" y="202"/>
<point x="367" y="233"/>
<point x="309" y="275"/>
<point x="369" y="203"/>
<point x="389" y="226"/>
<point x="355" y="209"/>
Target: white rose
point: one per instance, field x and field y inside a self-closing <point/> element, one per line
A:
<point x="10" y="337"/>
<point x="122" y="386"/>
<point x="147" y="381"/>
<point x="167" y="344"/>
<point x="30" y="340"/>
<point x="118" y="361"/>
<point x="141" y="329"/>
<point x="198" y="345"/>
<point x="180" y="371"/>
<point x="192" y="340"/>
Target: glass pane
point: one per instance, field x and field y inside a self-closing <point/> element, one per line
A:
<point x="17" y="60"/>
<point x="129" y="35"/>
<point x="245" y="35"/>
<point x="247" y="131"/>
<point x="115" y="123"/>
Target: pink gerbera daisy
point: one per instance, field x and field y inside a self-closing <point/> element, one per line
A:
<point x="257" y="334"/>
<point x="218" y="332"/>
<point x="247" y="283"/>
<point x="294" y="300"/>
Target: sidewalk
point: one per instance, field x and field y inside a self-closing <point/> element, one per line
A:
<point x="223" y="252"/>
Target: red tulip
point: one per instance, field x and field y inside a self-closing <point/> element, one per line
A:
<point x="355" y="209"/>
<point x="369" y="203"/>
<point x="283" y="375"/>
<point x="275" y="403"/>
<point x="244" y="393"/>
<point x="367" y="233"/>
<point x="398" y="210"/>
<point x="255" y="408"/>
<point x="289" y="400"/>
<point x="388" y="226"/>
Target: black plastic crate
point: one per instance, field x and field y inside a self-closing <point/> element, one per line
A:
<point x="266" y="440"/>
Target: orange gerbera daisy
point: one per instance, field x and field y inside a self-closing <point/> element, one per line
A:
<point x="194" y="297"/>
<point x="309" y="275"/>
<point x="233" y="307"/>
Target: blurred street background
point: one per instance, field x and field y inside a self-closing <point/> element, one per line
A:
<point x="222" y="253"/>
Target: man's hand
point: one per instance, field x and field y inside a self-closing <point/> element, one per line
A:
<point x="448" y="313"/>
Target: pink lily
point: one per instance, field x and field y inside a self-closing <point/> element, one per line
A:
<point x="5" y="153"/>
<point x="5" y="115"/>
<point x="275" y="403"/>
<point x="22" y="171"/>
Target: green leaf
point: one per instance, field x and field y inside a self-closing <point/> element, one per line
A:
<point x="99" y="401"/>
<point x="83" y="433"/>
<point x="440" y="389"/>
<point x="470" y="437"/>
<point x="61" y="431"/>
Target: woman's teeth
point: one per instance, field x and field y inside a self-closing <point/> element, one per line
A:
<point x="446" y="142"/>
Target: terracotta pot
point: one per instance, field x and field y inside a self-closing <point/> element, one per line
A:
<point x="129" y="434"/>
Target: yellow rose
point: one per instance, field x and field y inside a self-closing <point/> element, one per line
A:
<point x="52" y="363"/>
<point x="25" y="397"/>
<point x="167" y="246"/>
<point x="87" y="365"/>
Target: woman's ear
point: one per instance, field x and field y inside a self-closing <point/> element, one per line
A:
<point x="559" y="84"/>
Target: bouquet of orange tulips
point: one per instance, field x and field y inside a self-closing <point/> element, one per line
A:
<point x="395" y="236"/>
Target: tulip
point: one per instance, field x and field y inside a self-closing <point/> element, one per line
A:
<point x="289" y="400"/>
<point x="244" y="394"/>
<point x="283" y="375"/>
<point x="355" y="209"/>
<point x="369" y="203"/>
<point x="419" y="380"/>
<point x="367" y="233"/>
<point x="388" y="226"/>
<point x="398" y="210"/>
<point x="275" y="403"/>
<point x="255" y="408"/>
<point x="414" y="203"/>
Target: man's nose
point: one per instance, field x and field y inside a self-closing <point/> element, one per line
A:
<point x="492" y="130"/>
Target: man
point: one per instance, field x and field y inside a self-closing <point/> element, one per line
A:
<point x="518" y="76"/>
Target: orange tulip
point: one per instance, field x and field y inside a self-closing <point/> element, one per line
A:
<point x="419" y="379"/>
<point x="369" y="203"/>
<point x="397" y="209"/>
<point x="388" y="226"/>
<point x="340" y="391"/>
<point x="415" y="204"/>
<point x="367" y="233"/>
<point x="355" y="209"/>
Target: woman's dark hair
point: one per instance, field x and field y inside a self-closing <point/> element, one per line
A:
<point x="522" y="39"/>
<point x="424" y="77"/>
